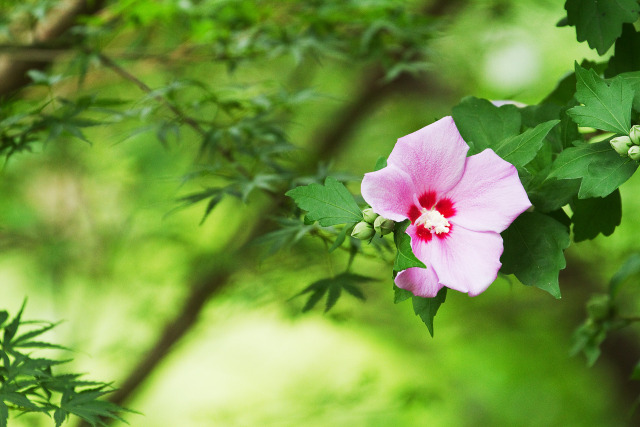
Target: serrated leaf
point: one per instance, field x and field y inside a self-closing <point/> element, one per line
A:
<point x="11" y="329"/>
<point x="405" y="257"/>
<point x="602" y="169"/>
<point x="521" y="149"/>
<point x="3" y="317"/>
<point x="607" y="104"/>
<point x="600" y="22"/>
<point x="333" y="287"/>
<point x="59" y="416"/>
<point x="481" y="124"/>
<point x="427" y="308"/>
<point x="533" y="251"/>
<point x="596" y="215"/>
<point x="331" y="204"/>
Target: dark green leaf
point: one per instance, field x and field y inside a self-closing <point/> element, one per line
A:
<point x="11" y="329"/>
<point x="553" y="193"/>
<point x="533" y="251"/>
<point x="330" y="204"/>
<point x="59" y="416"/>
<point x="482" y="124"/>
<point x="400" y="294"/>
<point x="626" y="56"/>
<point x="4" y="414"/>
<point x="334" y="286"/>
<point x="607" y="104"/>
<point x="427" y="308"/>
<point x="602" y="169"/>
<point x="521" y="149"/>
<point x="3" y="317"/>
<point x="405" y="257"/>
<point x="600" y="22"/>
<point x="596" y="215"/>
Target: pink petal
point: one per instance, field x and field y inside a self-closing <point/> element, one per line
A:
<point x="422" y="282"/>
<point x="433" y="156"/>
<point x="389" y="192"/>
<point x="467" y="261"/>
<point x="489" y="196"/>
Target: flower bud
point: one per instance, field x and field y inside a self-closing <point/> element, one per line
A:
<point x="634" y="153"/>
<point x="363" y="231"/>
<point x="634" y="134"/>
<point x="621" y="144"/>
<point x="383" y="225"/>
<point x="369" y="215"/>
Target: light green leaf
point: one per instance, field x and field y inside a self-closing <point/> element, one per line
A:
<point x="602" y="169"/>
<point x="596" y="215"/>
<point x="405" y="257"/>
<point x="600" y="22"/>
<point x="521" y="149"/>
<point x="427" y="308"/>
<point x="607" y="104"/>
<point x="330" y="204"/>
<point x="533" y="251"/>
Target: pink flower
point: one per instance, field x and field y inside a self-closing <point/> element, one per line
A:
<point x="457" y="205"/>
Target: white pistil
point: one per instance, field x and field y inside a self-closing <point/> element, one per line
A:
<point x="433" y="221"/>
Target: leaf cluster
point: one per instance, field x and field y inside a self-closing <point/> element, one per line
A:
<point x="29" y="384"/>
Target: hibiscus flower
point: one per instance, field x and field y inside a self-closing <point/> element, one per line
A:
<point x="458" y="206"/>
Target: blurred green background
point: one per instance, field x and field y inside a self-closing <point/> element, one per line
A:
<point x="90" y="237"/>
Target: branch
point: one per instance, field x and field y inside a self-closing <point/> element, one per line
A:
<point x="13" y="70"/>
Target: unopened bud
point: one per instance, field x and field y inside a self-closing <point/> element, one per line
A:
<point x="634" y="153"/>
<point x="363" y="231"/>
<point x="621" y="144"/>
<point x="383" y="225"/>
<point x="369" y="215"/>
<point x="634" y="134"/>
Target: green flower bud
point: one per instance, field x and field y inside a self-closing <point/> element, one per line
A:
<point x="369" y="215"/>
<point x="621" y="144"/>
<point x="363" y="231"/>
<point x="634" y="153"/>
<point x="383" y="225"/>
<point x="634" y="134"/>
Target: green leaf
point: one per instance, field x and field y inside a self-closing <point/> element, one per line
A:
<point x="405" y="257"/>
<point x="11" y="329"/>
<point x="552" y="194"/>
<point x="602" y="169"/>
<point x="481" y="124"/>
<point x="629" y="269"/>
<point x="521" y="149"/>
<point x="346" y="230"/>
<point x="380" y="163"/>
<point x="400" y="294"/>
<point x="607" y="104"/>
<point x="333" y="287"/>
<point x="635" y="375"/>
<point x="626" y="56"/>
<point x="600" y="22"/>
<point x="4" y="414"/>
<point x="427" y="308"/>
<point x="596" y="215"/>
<point x="330" y="204"/>
<point x="59" y="416"/>
<point x="533" y="251"/>
<point x="3" y="317"/>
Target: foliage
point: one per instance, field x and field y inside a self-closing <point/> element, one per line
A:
<point x="240" y="125"/>
<point x="29" y="384"/>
